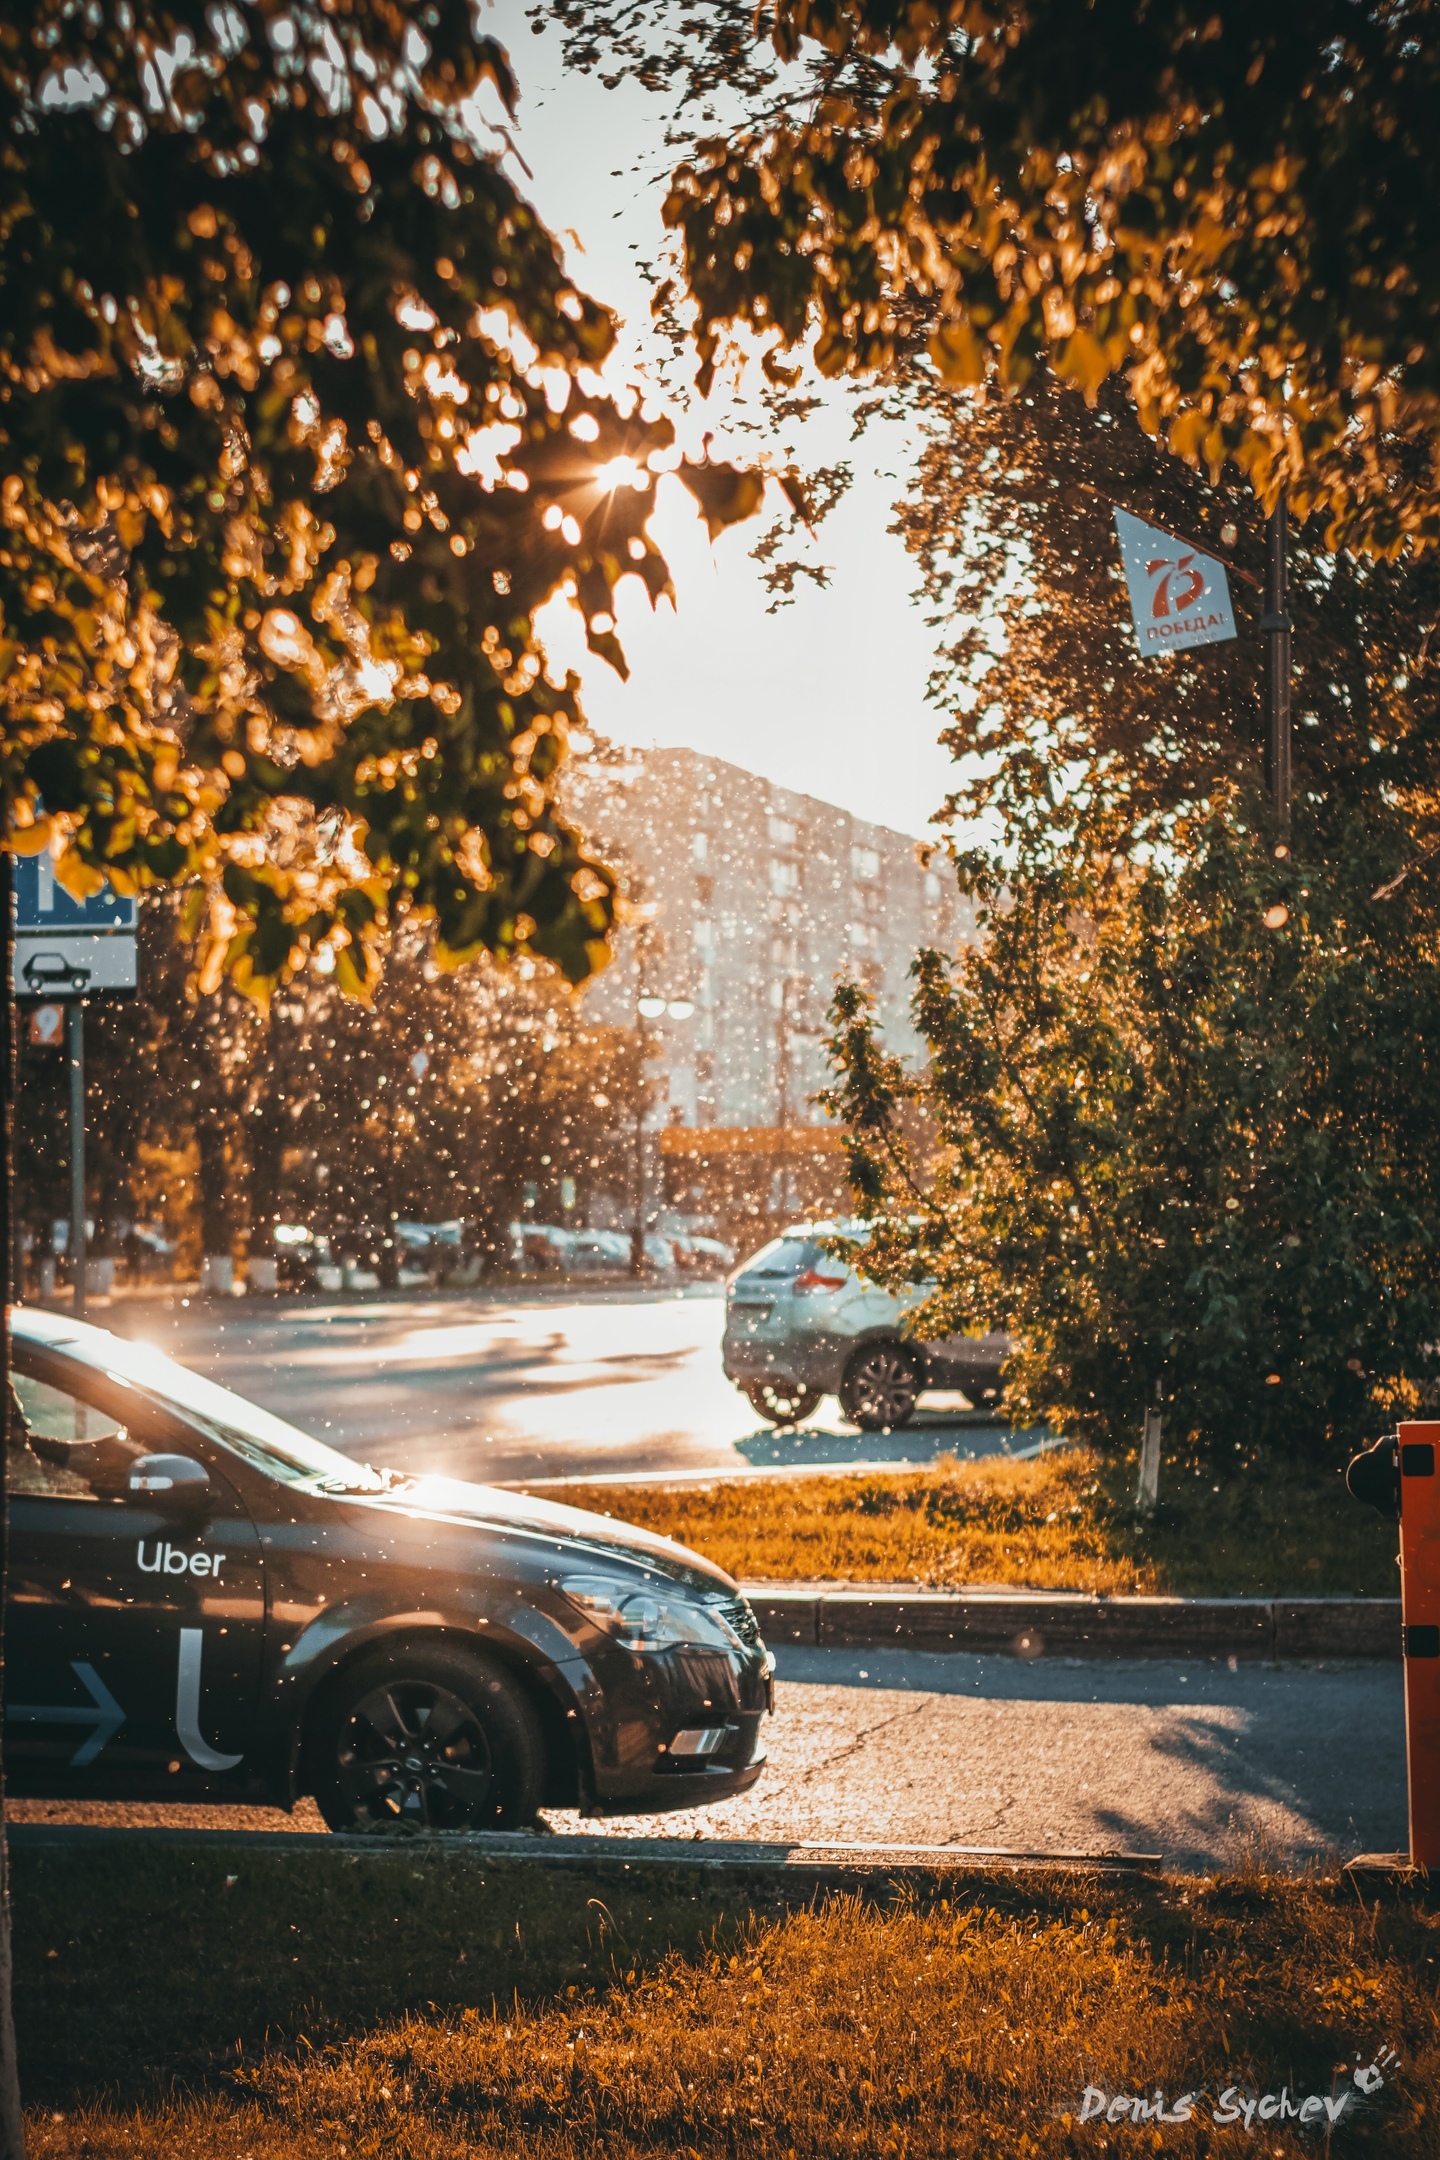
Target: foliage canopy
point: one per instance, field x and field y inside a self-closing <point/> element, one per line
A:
<point x="1238" y="213"/>
<point x="1185" y="1135"/>
<point x="1010" y="524"/>
<point x="1181" y="1092"/>
<point x="444" y="1097"/>
<point x="299" y="425"/>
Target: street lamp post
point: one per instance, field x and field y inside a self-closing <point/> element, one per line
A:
<point x="785" y="1032"/>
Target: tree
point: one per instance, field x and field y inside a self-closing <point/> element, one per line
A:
<point x="1235" y="213"/>
<point x="1185" y="1141"/>
<point x="300" y="411"/>
<point x="1180" y="1089"/>
<point x="445" y="1098"/>
<point x="447" y="1095"/>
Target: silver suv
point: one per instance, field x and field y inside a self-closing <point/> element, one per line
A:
<point x="800" y="1323"/>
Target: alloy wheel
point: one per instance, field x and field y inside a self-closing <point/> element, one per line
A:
<point x="413" y="1752"/>
<point x="881" y="1388"/>
<point x="782" y="1402"/>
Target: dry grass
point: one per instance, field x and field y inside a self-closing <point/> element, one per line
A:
<point x="1061" y="1522"/>
<point x="965" y="2031"/>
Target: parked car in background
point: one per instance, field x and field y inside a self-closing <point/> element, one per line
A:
<point x="544" y="1246"/>
<point x="801" y="1323"/>
<point x="701" y="1255"/>
<point x="598" y="1252"/>
<point x="205" y="1603"/>
<point x="430" y="1251"/>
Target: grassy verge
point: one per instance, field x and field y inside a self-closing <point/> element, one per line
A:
<point x="414" y="2005"/>
<point x="1062" y="1522"/>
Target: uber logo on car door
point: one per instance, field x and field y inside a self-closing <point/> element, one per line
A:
<point x="170" y="1560"/>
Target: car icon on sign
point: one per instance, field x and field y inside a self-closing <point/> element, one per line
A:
<point x="52" y="971"/>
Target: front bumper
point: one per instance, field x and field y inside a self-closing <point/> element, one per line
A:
<point x="639" y="1701"/>
<point x="734" y="1769"/>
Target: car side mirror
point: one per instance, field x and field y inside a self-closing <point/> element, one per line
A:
<point x="174" y="1485"/>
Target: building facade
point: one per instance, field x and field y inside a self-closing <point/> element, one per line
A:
<point x="756" y="902"/>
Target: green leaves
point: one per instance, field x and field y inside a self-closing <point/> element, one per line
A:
<point x="1165" y="1145"/>
<point x="1234" y="214"/>
<point x="299" y="427"/>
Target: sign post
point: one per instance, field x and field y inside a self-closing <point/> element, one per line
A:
<point x="67" y="950"/>
<point x="1275" y="623"/>
<point x="75" y="1059"/>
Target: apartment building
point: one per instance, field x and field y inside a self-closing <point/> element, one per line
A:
<point x="760" y="900"/>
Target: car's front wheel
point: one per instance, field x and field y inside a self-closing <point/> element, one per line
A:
<point x="780" y="1402"/>
<point x="881" y="1386"/>
<point x="441" y="1739"/>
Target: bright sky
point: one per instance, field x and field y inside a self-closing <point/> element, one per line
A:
<point x="825" y="696"/>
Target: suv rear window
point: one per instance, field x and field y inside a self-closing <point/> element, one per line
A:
<point x="782" y="1259"/>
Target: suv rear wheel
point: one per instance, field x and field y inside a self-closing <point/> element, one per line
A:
<point x="781" y="1402"/>
<point x="881" y="1386"/>
<point x="440" y="1738"/>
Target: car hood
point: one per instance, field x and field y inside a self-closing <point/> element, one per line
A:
<point x="492" y="1507"/>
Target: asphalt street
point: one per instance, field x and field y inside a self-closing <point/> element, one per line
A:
<point x="525" y="1385"/>
<point x="1202" y="1765"/>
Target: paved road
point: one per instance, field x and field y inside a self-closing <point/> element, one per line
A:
<point x="523" y="1386"/>
<point x="916" y="1747"/>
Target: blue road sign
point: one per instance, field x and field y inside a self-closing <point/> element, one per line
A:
<point x="43" y="904"/>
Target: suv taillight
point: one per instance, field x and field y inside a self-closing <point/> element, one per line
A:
<point x="812" y="1279"/>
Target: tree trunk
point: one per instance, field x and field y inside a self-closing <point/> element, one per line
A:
<point x="12" y="2131"/>
<point x="216" y="1214"/>
<point x="265" y="1130"/>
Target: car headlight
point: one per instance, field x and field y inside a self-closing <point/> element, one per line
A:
<point x="649" y="1619"/>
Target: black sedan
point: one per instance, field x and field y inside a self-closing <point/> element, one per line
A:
<point x="207" y="1604"/>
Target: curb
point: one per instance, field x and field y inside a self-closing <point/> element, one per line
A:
<point x="805" y="1865"/>
<point x="1064" y="1624"/>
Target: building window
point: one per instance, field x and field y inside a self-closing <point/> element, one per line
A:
<point x="703" y="934"/>
<point x="932" y="888"/>
<point x="865" y="936"/>
<point x="785" y="952"/>
<point x="784" y="878"/>
<point x="864" y="865"/>
<point x="777" y="996"/>
<point x="783" y="832"/>
<point x="872" y="977"/>
<point x="700" y="847"/>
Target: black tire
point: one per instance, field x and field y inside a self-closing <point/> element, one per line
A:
<point x="440" y="1738"/>
<point x="780" y="1402"/>
<point x="881" y="1386"/>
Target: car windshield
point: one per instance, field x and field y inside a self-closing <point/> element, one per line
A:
<point x="272" y="1445"/>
